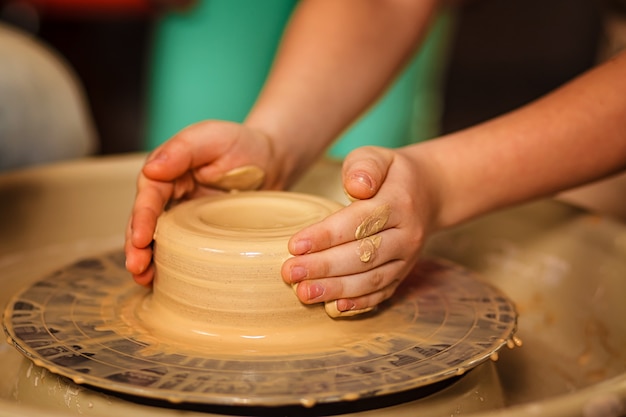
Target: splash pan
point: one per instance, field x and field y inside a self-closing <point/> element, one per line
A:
<point x="81" y="322"/>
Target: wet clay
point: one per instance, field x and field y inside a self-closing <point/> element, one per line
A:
<point x="373" y="223"/>
<point x="368" y="247"/>
<point x="221" y="327"/>
<point x="91" y="323"/>
<point x="245" y="178"/>
<point x="218" y="260"/>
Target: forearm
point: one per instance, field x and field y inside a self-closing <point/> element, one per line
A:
<point x="336" y="58"/>
<point x="575" y="135"/>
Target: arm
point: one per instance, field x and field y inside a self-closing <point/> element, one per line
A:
<point x="575" y="135"/>
<point x="337" y="57"/>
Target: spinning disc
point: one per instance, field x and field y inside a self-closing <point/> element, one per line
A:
<point x="82" y="322"/>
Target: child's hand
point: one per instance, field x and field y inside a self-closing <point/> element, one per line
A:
<point x="204" y="158"/>
<point x="357" y="257"/>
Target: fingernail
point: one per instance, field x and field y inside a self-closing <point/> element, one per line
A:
<point x="302" y="246"/>
<point x="158" y="157"/>
<point x="315" y="291"/>
<point x="298" y="273"/>
<point x="363" y="179"/>
<point x="345" y="305"/>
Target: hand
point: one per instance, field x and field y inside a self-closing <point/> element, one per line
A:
<point x="197" y="161"/>
<point x="357" y="257"/>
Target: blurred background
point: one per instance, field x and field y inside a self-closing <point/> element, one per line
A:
<point x="502" y="54"/>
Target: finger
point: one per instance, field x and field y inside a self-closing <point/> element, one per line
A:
<point x="364" y="171"/>
<point x="145" y="278"/>
<point x="194" y="147"/>
<point x="152" y="196"/>
<point x="350" y="286"/>
<point x="170" y="161"/>
<point x="138" y="260"/>
<point x="360" y="219"/>
<point x="182" y="186"/>
<point x="347" y="307"/>
<point x="332" y="309"/>
<point x="349" y="258"/>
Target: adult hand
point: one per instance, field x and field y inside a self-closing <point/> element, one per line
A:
<point x="204" y="158"/>
<point x="357" y="257"/>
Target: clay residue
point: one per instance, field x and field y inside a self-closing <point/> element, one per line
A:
<point x="247" y="177"/>
<point x="368" y="247"/>
<point x="373" y="223"/>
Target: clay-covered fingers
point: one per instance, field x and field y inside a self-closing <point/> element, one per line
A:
<point x="355" y="258"/>
<point x="364" y="171"/>
<point x="359" y="220"/>
<point x="347" y="259"/>
<point x="348" y="276"/>
<point x="354" y="255"/>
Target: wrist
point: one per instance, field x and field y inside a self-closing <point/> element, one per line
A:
<point x="433" y="185"/>
<point x="293" y="149"/>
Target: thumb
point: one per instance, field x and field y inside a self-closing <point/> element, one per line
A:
<point x="364" y="170"/>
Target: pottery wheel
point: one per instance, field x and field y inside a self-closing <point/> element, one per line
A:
<point x="442" y="322"/>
